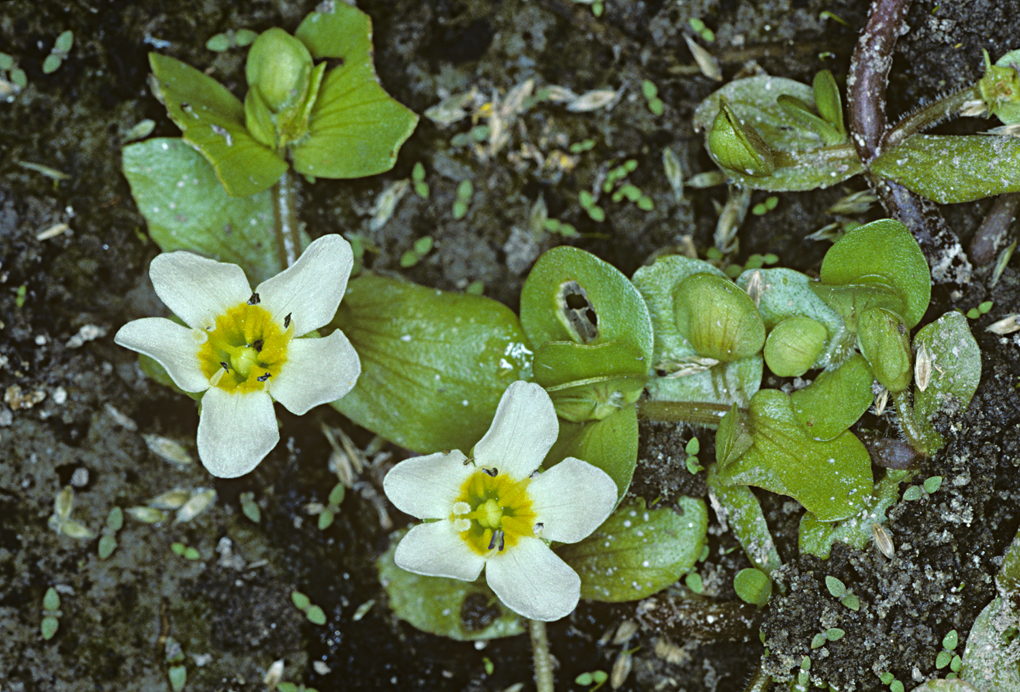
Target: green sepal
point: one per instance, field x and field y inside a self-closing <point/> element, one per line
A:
<point x="572" y="295"/>
<point x="832" y="479"/>
<point x="955" y="370"/>
<point x="717" y="318"/>
<point x="801" y="112"/>
<point x="610" y="444"/>
<point x="835" y="400"/>
<point x="279" y="67"/>
<point x="1000" y="87"/>
<point x="828" y="102"/>
<point x="258" y="119"/>
<point x="950" y="169"/>
<point x="355" y="127"/>
<point x="638" y="551"/>
<point x="732" y="438"/>
<point x="885" y="342"/>
<point x="590" y="382"/>
<point x="212" y="120"/>
<point x="460" y="610"/>
<point x="187" y="209"/>
<point x="433" y="364"/>
<point x="794" y="345"/>
<point x="736" y="146"/>
<point x="851" y="300"/>
<point x="882" y="252"/>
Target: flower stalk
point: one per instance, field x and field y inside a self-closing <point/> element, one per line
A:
<point x="286" y="228"/>
<point x="690" y="412"/>
<point x="540" y="655"/>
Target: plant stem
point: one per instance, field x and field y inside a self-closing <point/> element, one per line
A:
<point x="930" y="115"/>
<point x="760" y="681"/>
<point x="540" y="653"/>
<point x="286" y="227"/>
<point x="690" y="412"/>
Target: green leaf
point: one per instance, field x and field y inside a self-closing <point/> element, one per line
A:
<point x="950" y="169"/>
<point x="638" y="551"/>
<point x="178" y="677"/>
<point x="356" y="128"/>
<point x="882" y="252"/>
<point x="793" y="347"/>
<point x="115" y="519"/>
<point x="836" y="587"/>
<point x="802" y="161"/>
<point x="885" y="341"/>
<point x="465" y="611"/>
<point x="315" y="615"/>
<point x="51" y="601"/>
<point x="744" y="516"/>
<point x="717" y="318"/>
<point x="186" y="209"/>
<point x="107" y="544"/>
<point x="64" y="42"/>
<point x="753" y="586"/>
<point x="590" y="382"/>
<point x="433" y="364"/>
<point x="835" y="400"/>
<point x="52" y="63"/>
<point x="48" y="627"/>
<point x="572" y="295"/>
<point x="831" y="479"/>
<point x="610" y="444"/>
<point x="827" y="99"/>
<point x="955" y="367"/>
<point x="301" y="601"/>
<point x="804" y="114"/>
<point x="212" y="119"/>
<point x="736" y="146"/>
<point x="989" y="661"/>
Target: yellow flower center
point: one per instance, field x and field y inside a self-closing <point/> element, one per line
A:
<point x="245" y="349"/>
<point x="493" y="511"/>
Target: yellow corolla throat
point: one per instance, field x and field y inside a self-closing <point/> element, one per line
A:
<point x="245" y="349"/>
<point x="493" y="511"/>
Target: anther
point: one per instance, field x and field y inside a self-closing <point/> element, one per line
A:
<point x="492" y="473"/>
<point x="534" y="475"/>
<point x="264" y="376"/>
<point x="497" y="535"/>
<point x="225" y="366"/>
<point x="537" y="530"/>
<point x="286" y="320"/>
<point x="257" y="345"/>
<point x="254" y="300"/>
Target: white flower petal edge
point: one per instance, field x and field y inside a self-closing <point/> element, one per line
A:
<point x="533" y="581"/>
<point x="317" y="371"/>
<point x="522" y="433"/>
<point x="321" y="271"/>
<point x="437" y="550"/>
<point x="197" y="289"/>
<point x="235" y="431"/>
<point x="426" y="487"/>
<point x="572" y="499"/>
<point x="169" y="344"/>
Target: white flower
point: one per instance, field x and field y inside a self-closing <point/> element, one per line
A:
<point x="242" y="348"/>
<point x="495" y="512"/>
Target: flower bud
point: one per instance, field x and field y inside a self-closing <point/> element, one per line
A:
<point x="736" y="146"/>
<point x="793" y="346"/>
<point x="717" y="318"/>
<point x="279" y="67"/>
<point x="885" y="341"/>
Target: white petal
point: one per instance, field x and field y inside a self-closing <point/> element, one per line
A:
<point x="317" y="371"/>
<point x="571" y="500"/>
<point x="170" y="345"/>
<point x="522" y="433"/>
<point x="426" y="487"/>
<point x="311" y="289"/>
<point x="235" y="431"/>
<point x="197" y="289"/>
<point x="436" y="550"/>
<point x="533" y="581"/>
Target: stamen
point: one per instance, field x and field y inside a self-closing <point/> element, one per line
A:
<point x="286" y="320"/>
<point x="258" y="343"/>
<point x="461" y="525"/>
<point x="199" y="336"/>
<point x="254" y="300"/>
<point x="225" y="366"/>
<point x="497" y="535"/>
<point x="492" y="473"/>
<point x="264" y="376"/>
<point x="537" y="530"/>
<point x="534" y="475"/>
<point x="215" y="379"/>
<point x="460" y="508"/>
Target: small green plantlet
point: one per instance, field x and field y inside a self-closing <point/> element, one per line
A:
<point x="834" y="634"/>
<point x="231" y="39"/>
<point x="896" y="686"/>
<point x="931" y="485"/>
<point x="692" y="449"/>
<point x="596" y="677"/>
<point x="249" y="507"/>
<point x="475" y="288"/>
<point x="587" y="202"/>
<point x="836" y="587"/>
<point x="19" y="297"/>
<point x="421" y="188"/>
<point x="694" y="582"/>
<point x="108" y="541"/>
<point x="582" y="146"/>
<point x="765" y="207"/>
<point x="51" y="612"/>
<point x="818" y="641"/>
<point x="489" y="666"/>
<point x="465" y="190"/>
<point x="59" y="53"/>
<point x="753" y="586"/>
<point x="651" y="93"/>
<point x="560" y="227"/>
<point x="421" y="247"/>
<point x="314" y="613"/>
<point x="328" y="513"/>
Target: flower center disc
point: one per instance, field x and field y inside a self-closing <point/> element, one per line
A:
<point x="493" y="513"/>
<point x="245" y="350"/>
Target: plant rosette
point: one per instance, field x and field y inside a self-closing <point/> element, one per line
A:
<point x="244" y="349"/>
<point x="495" y="511"/>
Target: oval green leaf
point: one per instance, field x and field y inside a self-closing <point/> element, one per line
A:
<point x="590" y="382"/>
<point x="433" y="364"/>
<point x="835" y="400"/>
<point x="638" y="551"/>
